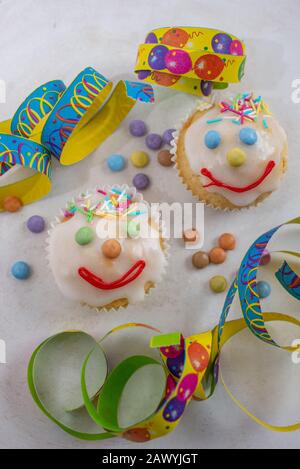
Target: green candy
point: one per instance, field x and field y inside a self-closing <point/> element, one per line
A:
<point x="84" y="236"/>
<point x="133" y="229"/>
<point x="218" y="284"/>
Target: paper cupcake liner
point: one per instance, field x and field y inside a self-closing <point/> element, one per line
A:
<point x="114" y="306"/>
<point x="204" y="106"/>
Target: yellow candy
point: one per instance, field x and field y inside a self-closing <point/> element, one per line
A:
<point x="139" y="159"/>
<point x="236" y="157"/>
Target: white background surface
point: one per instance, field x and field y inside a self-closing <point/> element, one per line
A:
<point x="43" y="40"/>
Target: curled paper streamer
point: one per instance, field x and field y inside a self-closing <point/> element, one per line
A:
<point x="190" y="59"/>
<point x="289" y="280"/>
<point x="191" y="366"/>
<point x="66" y="122"/>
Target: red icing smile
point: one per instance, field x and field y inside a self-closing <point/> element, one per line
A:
<point x="133" y="273"/>
<point x="215" y="182"/>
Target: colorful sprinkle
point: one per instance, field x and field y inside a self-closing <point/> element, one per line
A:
<point x="245" y="107"/>
<point x="214" y="121"/>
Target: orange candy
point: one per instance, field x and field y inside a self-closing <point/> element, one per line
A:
<point x="111" y="248"/>
<point x="227" y="241"/>
<point x="217" y="255"/>
<point x="190" y="236"/>
<point x="12" y="204"/>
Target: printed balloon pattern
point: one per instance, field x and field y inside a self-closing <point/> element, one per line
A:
<point x="151" y="39"/>
<point x="216" y="370"/>
<point x="209" y="67"/>
<point x="178" y="61"/>
<point x="187" y="387"/>
<point x="174" y="410"/>
<point x="175" y="37"/>
<point x="242" y="69"/>
<point x="157" y="57"/>
<point x="206" y="87"/>
<point x="236" y="48"/>
<point x="198" y="356"/>
<point x="139" y="435"/>
<point x="175" y="365"/>
<point x="173" y="350"/>
<point x="165" y="79"/>
<point x="142" y="74"/>
<point x="221" y="43"/>
<point x="170" y="386"/>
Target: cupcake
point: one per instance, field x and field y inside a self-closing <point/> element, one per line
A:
<point x="106" y="249"/>
<point x="231" y="154"/>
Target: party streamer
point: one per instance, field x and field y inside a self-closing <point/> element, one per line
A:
<point x="191" y="365"/>
<point x="190" y="59"/>
<point x="68" y="123"/>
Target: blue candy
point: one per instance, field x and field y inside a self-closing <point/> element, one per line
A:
<point x="212" y="139"/>
<point x="248" y="136"/>
<point x="263" y="289"/>
<point x="116" y="163"/>
<point x="20" y="270"/>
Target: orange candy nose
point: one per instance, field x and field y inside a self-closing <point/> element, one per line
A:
<point x="111" y="249"/>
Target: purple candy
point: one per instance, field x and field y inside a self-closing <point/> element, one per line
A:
<point x="141" y="181"/>
<point x="168" y="136"/>
<point x="154" y="141"/>
<point x="36" y="224"/>
<point x="137" y="128"/>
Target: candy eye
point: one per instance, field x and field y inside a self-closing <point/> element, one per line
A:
<point x="84" y="236"/>
<point x="133" y="229"/>
<point x="212" y="139"/>
<point x="248" y="136"/>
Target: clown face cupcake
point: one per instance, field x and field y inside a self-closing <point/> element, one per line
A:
<point x="106" y="250"/>
<point x="231" y="154"/>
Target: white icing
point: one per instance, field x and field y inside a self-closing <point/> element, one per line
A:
<point x="269" y="147"/>
<point x="66" y="256"/>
